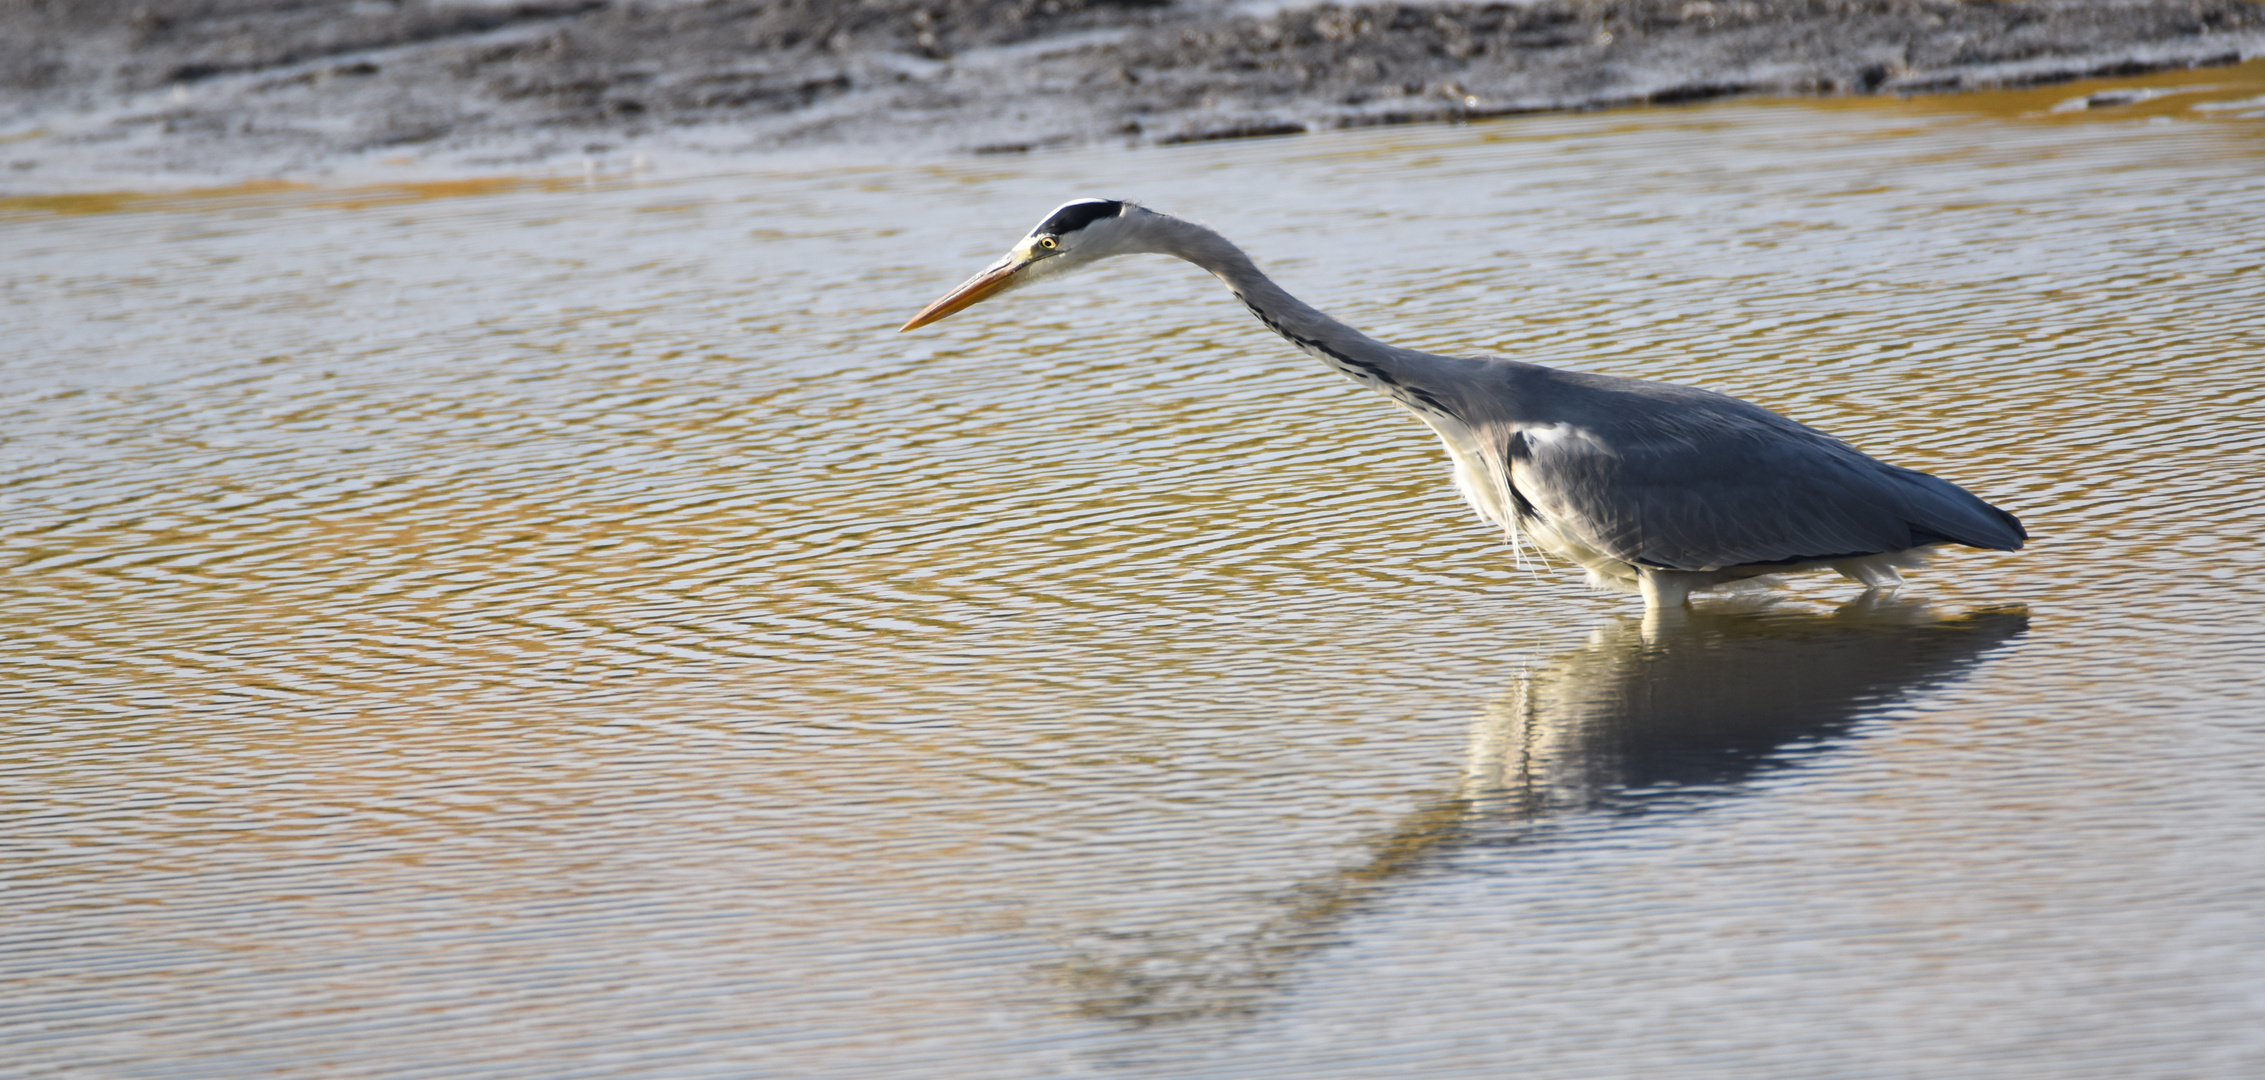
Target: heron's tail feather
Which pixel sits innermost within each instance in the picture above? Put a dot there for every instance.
(1944, 513)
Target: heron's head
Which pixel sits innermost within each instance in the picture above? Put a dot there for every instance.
(1075, 234)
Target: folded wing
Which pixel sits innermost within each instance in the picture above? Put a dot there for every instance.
(1686, 479)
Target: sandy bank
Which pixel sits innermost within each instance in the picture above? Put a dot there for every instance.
(118, 92)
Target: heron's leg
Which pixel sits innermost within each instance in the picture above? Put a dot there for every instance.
(1875, 571)
(1666, 588)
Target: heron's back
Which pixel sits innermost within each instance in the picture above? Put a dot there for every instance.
(1676, 477)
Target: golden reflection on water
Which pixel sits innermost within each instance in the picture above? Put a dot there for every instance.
(2232, 91)
(276, 193)
(498, 634)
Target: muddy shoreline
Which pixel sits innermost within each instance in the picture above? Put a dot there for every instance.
(108, 93)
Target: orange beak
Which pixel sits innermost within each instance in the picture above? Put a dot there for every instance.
(971, 292)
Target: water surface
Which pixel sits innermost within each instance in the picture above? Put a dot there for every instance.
(532, 629)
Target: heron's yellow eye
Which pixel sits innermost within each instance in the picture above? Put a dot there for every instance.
(1046, 242)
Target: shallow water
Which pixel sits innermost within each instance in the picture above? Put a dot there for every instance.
(546, 630)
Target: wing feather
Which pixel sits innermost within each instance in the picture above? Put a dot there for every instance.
(1688, 479)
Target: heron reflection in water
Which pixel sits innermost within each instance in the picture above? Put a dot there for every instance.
(1654, 716)
(1650, 487)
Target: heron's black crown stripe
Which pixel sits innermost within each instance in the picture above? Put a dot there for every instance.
(1078, 215)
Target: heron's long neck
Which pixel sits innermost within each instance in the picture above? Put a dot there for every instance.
(1366, 360)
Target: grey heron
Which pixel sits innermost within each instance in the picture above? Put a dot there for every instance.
(1651, 487)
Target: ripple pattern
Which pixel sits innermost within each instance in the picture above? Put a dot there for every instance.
(563, 631)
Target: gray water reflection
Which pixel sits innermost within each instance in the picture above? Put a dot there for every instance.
(1660, 711)
(1662, 714)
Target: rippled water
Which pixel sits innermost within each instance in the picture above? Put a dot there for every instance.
(558, 630)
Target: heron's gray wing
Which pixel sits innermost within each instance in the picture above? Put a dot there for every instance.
(1691, 480)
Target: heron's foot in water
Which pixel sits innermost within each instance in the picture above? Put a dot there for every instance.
(1886, 606)
(1670, 588)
